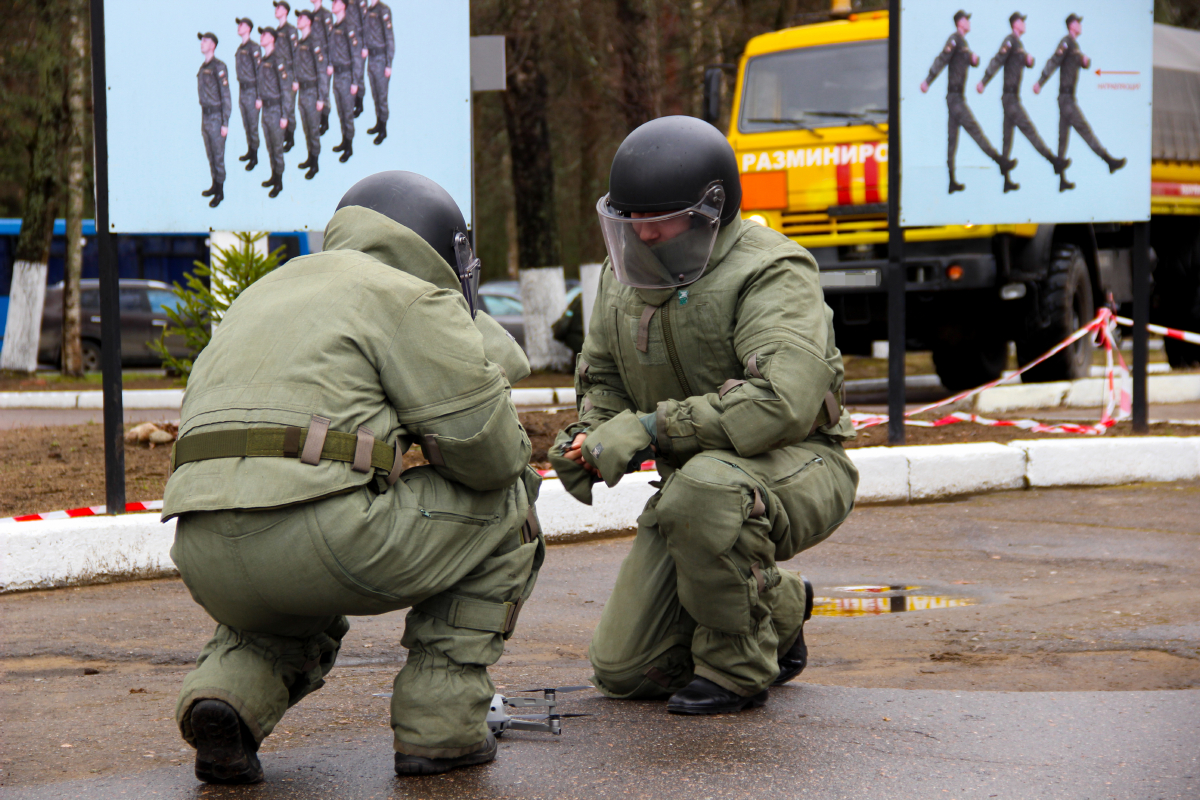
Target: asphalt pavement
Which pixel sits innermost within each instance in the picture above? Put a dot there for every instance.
(809, 742)
(1049, 647)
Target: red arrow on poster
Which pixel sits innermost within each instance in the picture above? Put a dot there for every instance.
(1115, 72)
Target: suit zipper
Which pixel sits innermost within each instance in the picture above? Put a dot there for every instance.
(446, 516)
(669, 341)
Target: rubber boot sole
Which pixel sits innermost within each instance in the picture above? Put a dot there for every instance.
(221, 752)
(421, 765)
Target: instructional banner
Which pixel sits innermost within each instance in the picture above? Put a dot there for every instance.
(259, 115)
(1035, 113)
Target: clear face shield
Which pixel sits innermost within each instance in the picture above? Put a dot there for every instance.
(666, 250)
(468, 269)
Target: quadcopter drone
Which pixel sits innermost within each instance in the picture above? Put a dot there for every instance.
(499, 718)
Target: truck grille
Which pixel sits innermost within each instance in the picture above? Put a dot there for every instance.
(820, 223)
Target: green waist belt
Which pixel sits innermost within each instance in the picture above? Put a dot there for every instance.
(310, 445)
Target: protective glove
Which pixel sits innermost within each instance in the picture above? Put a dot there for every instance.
(575, 479)
(617, 446)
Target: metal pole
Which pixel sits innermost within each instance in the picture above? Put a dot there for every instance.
(1141, 318)
(110, 307)
(895, 272)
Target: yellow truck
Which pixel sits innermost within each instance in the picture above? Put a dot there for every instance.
(809, 128)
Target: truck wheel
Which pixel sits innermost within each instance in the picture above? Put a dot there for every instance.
(1067, 297)
(1179, 299)
(969, 363)
(91, 356)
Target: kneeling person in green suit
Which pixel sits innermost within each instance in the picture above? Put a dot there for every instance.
(711, 350)
(294, 510)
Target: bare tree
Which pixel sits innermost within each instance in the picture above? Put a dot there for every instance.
(638, 56)
(77, 89)
(525, 112)
(43, 188)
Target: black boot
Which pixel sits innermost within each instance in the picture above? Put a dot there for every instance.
(380, 132)
(702, 696)
(312, 168)
(955, 186)
(347, 151)
(373, 129)
(278, 185)
(324, 123)
(289, 140)
(1006, 164)
(341, 146)
(269, 181)
(305, 164)
(1064, 185)
(249, 155)
(217, 196)
(210, 190)
(1060, 165)
(358, 105)
(253, 161)
(1010, 185)
(225, 750)
(423, 765)
(1115, 164)
(793, 662)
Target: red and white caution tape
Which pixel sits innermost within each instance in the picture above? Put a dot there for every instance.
(1170, 333)
(1117, 389)
(91, 511)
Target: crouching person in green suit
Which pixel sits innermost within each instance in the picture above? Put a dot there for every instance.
(711, 350)
(294, 511)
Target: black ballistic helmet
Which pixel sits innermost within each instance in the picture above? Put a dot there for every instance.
(669, 163)
(428, 210)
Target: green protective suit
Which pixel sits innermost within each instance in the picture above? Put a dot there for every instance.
(374, 334)
(736, 369)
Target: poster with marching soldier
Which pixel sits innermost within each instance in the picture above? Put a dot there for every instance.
(307, 91)
(1025, 179)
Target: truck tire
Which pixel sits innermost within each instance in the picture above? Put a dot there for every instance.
(1066, 296)
(1178, 296)
(972, 362)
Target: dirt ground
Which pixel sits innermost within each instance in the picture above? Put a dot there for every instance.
(1071, 590)
(60, 467)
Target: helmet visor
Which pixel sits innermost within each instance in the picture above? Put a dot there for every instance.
(664, 250)
(468, 267)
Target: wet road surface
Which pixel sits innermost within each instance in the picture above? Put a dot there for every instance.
(1066, 596)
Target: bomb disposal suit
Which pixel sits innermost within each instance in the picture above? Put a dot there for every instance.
(713, 345)
(293, 509)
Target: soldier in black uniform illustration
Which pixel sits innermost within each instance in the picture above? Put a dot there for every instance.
(1014, 59)
(356, 14)
(285, 46)
(246, 64)
(215, 107)
(310, 66)
(344, 45)
(957, 54)
(1071, 58)
(380, 44)
(274, 81)
(322, 31)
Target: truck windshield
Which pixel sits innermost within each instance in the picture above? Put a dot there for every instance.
(816, 87)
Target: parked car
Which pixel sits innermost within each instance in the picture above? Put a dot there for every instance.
(502, 301)
(143, 319)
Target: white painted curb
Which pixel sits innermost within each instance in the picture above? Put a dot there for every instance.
(67, 552)
(173, 398)
(1084, 393)
(1105, 462)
